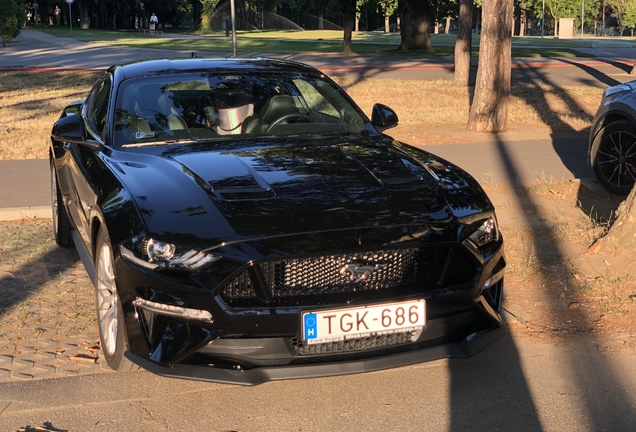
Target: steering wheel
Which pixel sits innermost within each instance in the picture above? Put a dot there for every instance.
(286, 119)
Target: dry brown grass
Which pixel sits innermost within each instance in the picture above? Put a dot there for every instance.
(29, 105)
(432, 103)
(31, 102)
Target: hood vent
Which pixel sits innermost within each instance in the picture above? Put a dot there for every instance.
(244, 193)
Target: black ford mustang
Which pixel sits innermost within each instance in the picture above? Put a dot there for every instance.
(243, 221)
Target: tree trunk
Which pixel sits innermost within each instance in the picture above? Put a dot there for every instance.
(416, 28)
(349, 16)
(463, 43)
(622, 234)
(522, 23)
(387, 28)
(489, 110)
(447, 26)
(197, 8)
(84, 17)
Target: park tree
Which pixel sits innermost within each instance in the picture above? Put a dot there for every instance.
(489, 110)
(622, 233)
(349, 17)
(620, 10)
(415, 22)
(629, 20)
(386, 8)
(12, 16)
(463, 43)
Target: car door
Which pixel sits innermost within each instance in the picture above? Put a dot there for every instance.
(84, 163)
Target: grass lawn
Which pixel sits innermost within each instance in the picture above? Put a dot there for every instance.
(316, 41)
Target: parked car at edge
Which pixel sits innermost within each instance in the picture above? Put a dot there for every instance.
(612, 146)
(242, 220)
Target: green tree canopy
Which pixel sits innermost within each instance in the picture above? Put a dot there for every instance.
(12, 16)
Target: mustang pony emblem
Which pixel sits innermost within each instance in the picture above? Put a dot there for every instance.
(357, 272)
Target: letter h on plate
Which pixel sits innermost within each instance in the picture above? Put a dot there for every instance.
(311, 326)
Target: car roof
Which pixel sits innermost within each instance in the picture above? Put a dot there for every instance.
(189, 65)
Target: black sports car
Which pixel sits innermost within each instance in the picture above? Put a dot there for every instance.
(612, 148)
(242, 221)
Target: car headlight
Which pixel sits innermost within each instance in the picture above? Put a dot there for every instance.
(486, 233)
(153, 254)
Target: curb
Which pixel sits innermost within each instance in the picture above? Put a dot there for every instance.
(18, 213)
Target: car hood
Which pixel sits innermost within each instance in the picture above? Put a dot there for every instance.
(259, 189)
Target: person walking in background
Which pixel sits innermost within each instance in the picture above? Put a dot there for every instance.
(153, 22)
(57, 13)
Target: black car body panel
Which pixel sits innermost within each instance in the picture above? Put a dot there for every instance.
(288, 224)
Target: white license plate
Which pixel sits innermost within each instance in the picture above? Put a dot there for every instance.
(350, 323)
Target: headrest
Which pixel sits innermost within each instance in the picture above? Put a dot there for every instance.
(276, 107)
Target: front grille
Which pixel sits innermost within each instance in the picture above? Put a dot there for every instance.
(325, 275)
(336, 278)
(360, 344)
(239, 288)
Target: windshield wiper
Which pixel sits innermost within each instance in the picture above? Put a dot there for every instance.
(156, 143)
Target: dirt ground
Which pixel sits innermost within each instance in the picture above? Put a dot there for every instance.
(557, 287)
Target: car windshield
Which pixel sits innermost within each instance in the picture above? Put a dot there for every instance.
(185, 108)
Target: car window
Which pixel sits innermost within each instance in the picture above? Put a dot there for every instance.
(97, 105)
(314, 99)
(188, 107)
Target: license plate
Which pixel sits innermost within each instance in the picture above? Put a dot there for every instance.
(357, 322)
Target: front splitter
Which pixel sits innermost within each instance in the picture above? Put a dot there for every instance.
(275, 373)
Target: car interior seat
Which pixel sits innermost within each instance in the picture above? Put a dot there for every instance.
(275, 108)
(153, 106)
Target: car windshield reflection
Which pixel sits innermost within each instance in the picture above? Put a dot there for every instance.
(188, 108)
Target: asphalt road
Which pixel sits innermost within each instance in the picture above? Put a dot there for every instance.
(514, 385)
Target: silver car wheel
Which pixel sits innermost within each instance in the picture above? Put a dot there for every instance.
(107, 300)
(54, 199)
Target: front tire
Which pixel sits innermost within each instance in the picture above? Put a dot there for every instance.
(110, 316)
(614, 157)
(61, 223)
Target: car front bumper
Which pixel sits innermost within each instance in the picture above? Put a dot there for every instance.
(273, 373)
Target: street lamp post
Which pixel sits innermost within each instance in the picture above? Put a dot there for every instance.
(582, 16)
(233, 13)
(543, 19)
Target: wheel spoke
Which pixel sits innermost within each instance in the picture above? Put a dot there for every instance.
(106, 299)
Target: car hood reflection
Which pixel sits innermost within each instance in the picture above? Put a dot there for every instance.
(251, 192)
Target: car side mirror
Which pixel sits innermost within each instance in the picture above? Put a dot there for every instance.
(73, 109)
(383, 117)
(69, 129)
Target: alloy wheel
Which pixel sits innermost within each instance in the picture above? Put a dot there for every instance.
(107, 300)
(616, 159)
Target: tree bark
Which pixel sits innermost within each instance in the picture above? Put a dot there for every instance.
(463, 43)
(622, 234)
(415, 25)
(84, 16)
(349, 16)
(489, 110)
